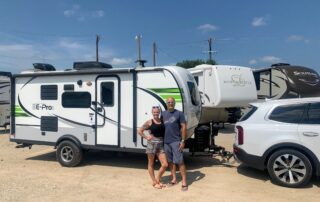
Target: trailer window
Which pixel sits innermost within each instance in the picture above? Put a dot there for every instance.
(193, 93)
(107, 93)
(49, 92)
(76, 99)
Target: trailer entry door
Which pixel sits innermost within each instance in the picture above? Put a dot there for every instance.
(108, 111)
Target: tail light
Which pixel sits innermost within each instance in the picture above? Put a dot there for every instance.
(240, 135)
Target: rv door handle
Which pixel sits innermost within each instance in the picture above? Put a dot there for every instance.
(310, 134)
(99, 109)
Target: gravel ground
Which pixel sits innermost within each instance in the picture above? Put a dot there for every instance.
(35, 175)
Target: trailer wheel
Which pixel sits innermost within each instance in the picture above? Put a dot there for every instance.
(69, 154)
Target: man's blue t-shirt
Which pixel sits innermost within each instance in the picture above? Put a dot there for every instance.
(172, 121)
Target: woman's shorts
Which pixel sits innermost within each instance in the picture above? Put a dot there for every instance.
(155, 146)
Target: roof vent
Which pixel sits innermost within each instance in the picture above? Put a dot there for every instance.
(280, 64)
(43, 67)
(90, 65)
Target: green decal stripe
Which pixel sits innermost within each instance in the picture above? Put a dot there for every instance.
(164, 93)
(19, 112)
(165, 90)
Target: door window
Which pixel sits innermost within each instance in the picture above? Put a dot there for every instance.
(107, 93)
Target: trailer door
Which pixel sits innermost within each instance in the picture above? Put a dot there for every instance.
(107, 111)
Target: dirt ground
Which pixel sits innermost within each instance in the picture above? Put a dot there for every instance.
(35, 175)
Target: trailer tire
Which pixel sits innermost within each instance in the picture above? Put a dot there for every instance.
(69, 154)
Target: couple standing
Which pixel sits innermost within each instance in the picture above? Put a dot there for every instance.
(166, 140)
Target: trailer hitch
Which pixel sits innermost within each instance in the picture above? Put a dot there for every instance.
(216, 150)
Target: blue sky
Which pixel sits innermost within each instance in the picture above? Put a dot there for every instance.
(252, 33)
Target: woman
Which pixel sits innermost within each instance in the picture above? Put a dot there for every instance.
(155, 145)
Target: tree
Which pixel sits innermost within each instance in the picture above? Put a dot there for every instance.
(192, 63)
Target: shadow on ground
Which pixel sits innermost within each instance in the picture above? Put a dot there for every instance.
(263, 175)
(134, 160)
(4, 131)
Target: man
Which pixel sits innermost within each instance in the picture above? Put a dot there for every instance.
(174, 141)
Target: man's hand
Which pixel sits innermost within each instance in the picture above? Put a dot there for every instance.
(181, 147)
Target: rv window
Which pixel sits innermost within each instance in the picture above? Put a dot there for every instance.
(107, 89)
(197, 80)
(192, 91)
(49, 92)
(76, 100)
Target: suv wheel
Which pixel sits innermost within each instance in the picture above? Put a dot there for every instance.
(69, 154)
(289, 168)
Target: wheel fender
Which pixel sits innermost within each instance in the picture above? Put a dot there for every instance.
(312, 157)
(69, 137)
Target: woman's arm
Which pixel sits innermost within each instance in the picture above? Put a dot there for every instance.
(144, 127)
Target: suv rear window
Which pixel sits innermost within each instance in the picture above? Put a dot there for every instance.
(251, 109)
(288, 113)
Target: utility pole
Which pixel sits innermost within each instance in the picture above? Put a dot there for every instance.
(97, 47)
(210, 49)
(154, 52)
(139, 61)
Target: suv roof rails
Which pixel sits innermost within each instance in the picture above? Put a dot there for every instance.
(44, 67)
(90, 65)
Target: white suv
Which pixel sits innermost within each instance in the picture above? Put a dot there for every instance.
(281, 136)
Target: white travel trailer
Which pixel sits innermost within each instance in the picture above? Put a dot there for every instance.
(223, 90)
(286, 81)
(95, 106)
(5, 99)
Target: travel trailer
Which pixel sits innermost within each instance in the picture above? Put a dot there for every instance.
(95, 106)
(286, 81)
(224, 89)
(4, 99)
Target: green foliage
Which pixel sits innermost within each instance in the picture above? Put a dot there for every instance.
(192, 63)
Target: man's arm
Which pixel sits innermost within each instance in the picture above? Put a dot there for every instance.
(183, 135)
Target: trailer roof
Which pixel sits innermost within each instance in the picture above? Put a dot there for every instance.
(87, 71)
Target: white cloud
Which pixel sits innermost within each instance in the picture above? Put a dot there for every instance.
(72, 11)
(65, 43)
(297, 38)
(98, 13)
(121, 61)
(270, 59)
(82, 15)
(253, 62)
(207, 27)
(259, 21)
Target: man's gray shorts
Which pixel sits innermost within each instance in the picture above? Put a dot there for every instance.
(173, 153)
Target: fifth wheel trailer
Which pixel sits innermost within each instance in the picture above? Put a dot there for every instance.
(224, 89)
(5, 99)
(287, 81)
(95, 106)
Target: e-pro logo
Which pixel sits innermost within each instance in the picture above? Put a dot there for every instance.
(42, 107)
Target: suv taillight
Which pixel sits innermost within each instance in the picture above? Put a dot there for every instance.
(240, 135)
